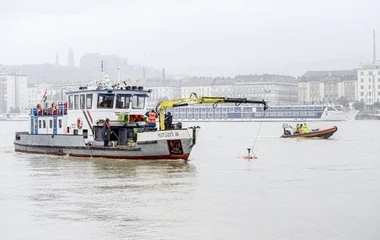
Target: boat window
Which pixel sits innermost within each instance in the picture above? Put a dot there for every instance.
(295, 108)
(280, 114)
(280, 108)
(60, 123)
(82, 101)
(311, 108)
(123, 101)
(138, 102)
(51, 123)
(55, 123)
(303, 108)
(105, 100)
(89, 101)
(71, 102)
(39, 124)
(44, 123)
(76, 102)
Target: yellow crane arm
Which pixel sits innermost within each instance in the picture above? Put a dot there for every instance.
(194, 99)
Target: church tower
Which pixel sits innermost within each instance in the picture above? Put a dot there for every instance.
(70, 58)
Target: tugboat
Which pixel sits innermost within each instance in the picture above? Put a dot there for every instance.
(75, 128)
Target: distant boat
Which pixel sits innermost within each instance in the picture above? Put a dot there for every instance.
(14, 117)
(280, 113)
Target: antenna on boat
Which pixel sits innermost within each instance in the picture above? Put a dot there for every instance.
(101, 70)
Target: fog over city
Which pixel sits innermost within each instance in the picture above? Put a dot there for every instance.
(209, 37)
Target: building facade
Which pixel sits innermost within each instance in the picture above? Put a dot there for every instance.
(13, 92)
(162, 90)
(369, 83)
(201, 86)
(223, 87)
(276, 89)
(327, 86)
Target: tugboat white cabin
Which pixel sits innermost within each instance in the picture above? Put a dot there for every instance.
(75, 128)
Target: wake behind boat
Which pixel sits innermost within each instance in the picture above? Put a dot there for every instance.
(324, 133)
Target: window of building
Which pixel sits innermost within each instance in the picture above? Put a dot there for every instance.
(71, 102)
(82, 101)
(362, 94)
(105, 100)
(362, 80)
(369, 86)
(370, 72)
(76, 102)
(362, 73)
(361, 87)
(123, 101)
(89, 101)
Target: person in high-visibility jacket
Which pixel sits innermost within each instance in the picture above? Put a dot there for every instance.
(305, 128)
(151, 121)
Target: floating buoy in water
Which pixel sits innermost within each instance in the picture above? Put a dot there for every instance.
(249, 156)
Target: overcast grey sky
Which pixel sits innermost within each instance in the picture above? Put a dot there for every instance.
(211, 37)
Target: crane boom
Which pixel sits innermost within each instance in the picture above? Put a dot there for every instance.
(194, 99)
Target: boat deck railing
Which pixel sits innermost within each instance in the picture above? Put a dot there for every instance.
(59, 111)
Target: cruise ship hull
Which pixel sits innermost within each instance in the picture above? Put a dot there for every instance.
(302, 113)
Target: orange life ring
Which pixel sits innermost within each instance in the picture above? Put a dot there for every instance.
(79, 123)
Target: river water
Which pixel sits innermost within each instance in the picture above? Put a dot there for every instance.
(296, 189)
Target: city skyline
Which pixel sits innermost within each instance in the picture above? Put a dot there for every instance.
(197, 38)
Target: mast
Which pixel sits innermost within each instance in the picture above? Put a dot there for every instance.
(101, 69)
(374, 47)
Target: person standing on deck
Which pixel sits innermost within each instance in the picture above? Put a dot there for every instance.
(168, 120)
(152, 116)
(106, 132)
